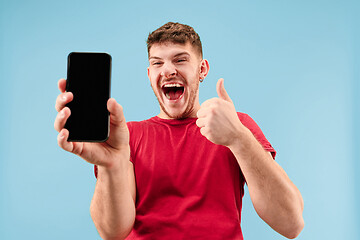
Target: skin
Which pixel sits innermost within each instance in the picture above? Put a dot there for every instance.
(113, 205)
(175, 63)
(275, 198)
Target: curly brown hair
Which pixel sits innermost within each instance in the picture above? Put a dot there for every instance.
(175, 33)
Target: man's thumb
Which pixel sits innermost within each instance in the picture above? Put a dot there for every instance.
(220, 89)
(116, 112)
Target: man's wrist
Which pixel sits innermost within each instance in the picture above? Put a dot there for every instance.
(242, 142)
(118, 165)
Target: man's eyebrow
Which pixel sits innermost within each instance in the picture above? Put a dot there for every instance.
(176, 55)
(182, 53)
(154, 57)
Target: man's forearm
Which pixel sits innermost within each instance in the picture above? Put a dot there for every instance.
(113, 204)
(275, 198)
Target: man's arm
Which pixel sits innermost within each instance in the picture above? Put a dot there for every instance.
(113, 205)
(275, 198)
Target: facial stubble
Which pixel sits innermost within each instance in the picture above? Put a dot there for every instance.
(190, 105)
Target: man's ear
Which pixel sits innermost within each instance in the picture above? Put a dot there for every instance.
(204, 69)
(148, 72)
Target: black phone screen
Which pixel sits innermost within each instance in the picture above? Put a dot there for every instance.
(88, 78)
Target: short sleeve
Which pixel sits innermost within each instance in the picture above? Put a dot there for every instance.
(136, 133)
(95, 170)
(248, 122)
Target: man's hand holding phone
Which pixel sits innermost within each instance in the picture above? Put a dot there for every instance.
(99, 153)
(113, 205)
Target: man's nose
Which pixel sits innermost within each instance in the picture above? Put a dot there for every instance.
(169, 70)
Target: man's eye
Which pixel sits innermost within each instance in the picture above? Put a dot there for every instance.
(156, 63)
(181, 60)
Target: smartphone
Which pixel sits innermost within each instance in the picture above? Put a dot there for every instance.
(89, 79)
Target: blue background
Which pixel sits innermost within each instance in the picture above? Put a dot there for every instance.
(291, 65)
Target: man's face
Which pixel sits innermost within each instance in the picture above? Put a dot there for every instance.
(175, 71)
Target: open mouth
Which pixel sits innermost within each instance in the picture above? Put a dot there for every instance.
(173, 91)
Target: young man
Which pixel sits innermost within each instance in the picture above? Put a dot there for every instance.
(190, 162)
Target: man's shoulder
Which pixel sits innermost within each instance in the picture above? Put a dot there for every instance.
(140, 124)
(136, 122)
(243, 116)
(248, 121)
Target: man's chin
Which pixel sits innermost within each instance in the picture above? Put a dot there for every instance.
(174, 113)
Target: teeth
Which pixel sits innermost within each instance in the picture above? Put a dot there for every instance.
(167, 95)
(172, 85)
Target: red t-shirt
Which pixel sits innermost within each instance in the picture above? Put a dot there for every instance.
(186, 186)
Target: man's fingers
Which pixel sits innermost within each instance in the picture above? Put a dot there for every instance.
(220, 89)
(209, 102)
(200, 122)
(62, 100)
(62, 85)
(203, 131)
(62, 141)
(61, 119)
(198, 114)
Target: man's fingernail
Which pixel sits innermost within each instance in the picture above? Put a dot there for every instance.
(63, 98)
(62, 114)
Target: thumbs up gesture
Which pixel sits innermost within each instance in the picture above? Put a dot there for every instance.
(217, 118)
